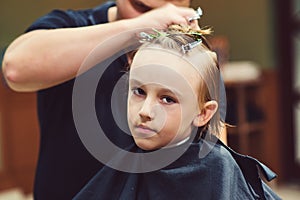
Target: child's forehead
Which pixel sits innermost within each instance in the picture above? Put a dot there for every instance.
(193, 62)
(166, 60)
(158, 55)
(153, 52)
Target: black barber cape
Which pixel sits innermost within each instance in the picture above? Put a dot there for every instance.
(221, 174)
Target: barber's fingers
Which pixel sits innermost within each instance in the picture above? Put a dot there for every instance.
(177, 15)
(166, 15)
(194, 25)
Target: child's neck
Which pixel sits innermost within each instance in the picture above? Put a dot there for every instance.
(178, 143)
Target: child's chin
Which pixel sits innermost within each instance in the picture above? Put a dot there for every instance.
(146, 145)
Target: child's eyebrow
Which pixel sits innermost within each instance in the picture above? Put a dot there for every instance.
(174, 90)
(169, 91)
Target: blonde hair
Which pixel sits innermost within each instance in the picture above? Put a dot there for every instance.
(174, 38)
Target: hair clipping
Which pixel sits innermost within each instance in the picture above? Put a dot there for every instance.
(187, 47)
(145, 37)
(148, 37)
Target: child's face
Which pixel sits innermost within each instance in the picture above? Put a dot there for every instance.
(162, 100)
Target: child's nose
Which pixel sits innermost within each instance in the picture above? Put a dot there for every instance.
(147, 112)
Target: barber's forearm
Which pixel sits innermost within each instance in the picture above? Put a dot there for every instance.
(44, 58)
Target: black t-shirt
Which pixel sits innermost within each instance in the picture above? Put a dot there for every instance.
(64, 164)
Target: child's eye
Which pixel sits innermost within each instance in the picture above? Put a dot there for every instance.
(138, 92)
(168, 100)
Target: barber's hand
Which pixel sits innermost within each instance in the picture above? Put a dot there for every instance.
(161, 18)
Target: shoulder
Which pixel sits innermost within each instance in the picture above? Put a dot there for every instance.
(217, 154)
(72, 18)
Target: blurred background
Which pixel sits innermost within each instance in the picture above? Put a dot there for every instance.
(258, 43)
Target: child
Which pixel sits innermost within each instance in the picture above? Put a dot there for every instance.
(174, 106)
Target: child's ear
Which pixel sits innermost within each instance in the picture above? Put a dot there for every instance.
(207, 112)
